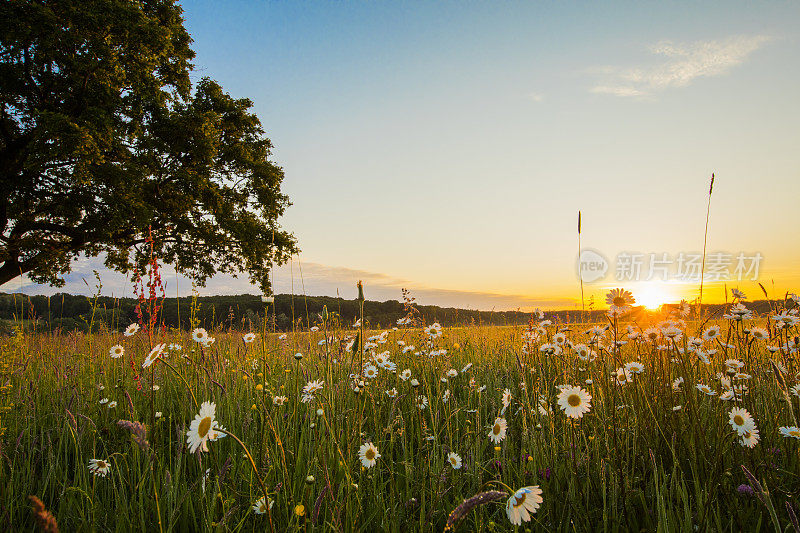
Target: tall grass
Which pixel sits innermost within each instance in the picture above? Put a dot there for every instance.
(632, 463)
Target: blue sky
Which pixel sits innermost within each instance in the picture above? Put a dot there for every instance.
(447, 147)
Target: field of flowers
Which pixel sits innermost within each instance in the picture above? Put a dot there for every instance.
(670, 422)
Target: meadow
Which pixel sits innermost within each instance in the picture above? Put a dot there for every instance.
(670, 422)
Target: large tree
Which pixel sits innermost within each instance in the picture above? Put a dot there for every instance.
(103, 138)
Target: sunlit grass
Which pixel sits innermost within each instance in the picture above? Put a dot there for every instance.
(647, 454)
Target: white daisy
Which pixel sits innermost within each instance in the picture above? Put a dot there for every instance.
(523, 503)
(99, 467)
(116, 351)
(790, 431)
(574, 401)
(370, 372)
(248, 338)
(313, 386)
(201, 427)
(750, 438)
(498, 431)
(154, 354)
(199, 335)
(454, 459)
(260, 507)
(741, 420)
(131, 330)
(368, 454)
(422, 402)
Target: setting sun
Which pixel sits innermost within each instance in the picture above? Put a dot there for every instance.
(653, 295)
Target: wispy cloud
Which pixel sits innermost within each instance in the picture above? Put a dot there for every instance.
(535, 97)
(313, 279)
(683, 64)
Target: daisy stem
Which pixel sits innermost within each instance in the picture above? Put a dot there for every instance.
(255, 471)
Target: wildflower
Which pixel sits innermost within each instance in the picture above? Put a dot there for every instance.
(299, 509)
(368, 454)
(634, 367)
(790, 431)
(112, 405)
(249, 337)
(466, 367)
(676, 408)
(452, 373)
(434, 330)
(104, 401)
(727, 395)
(200, 430)
(260, 506)
(391, 393)
(279, 400)
(759, 333)
(750, 438)
(199, 335)
(116, 351)
(506, 400)
(455, 460)
(619, 300)
(370, 372)
(131, 330)
(795, 390)
(154, 354)
(99, 467)
(446, 396)
(711, 333)
(745, 489)
(622, 376)
(414, 382)
(422, 402)
(676, 385)
(498, 431)
(736, 293)
(405, 374)
(651, 334)
(574, 401)
(313, 386)
(702, 387)
(523, 503)
(741, 420)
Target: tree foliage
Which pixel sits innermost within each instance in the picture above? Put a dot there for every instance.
(103, 138)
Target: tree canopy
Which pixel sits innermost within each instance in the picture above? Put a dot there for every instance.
(103, 138)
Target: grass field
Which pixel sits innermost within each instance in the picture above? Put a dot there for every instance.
(651, 451)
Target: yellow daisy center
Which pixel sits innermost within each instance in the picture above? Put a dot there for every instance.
(204, 427)
(369, 454)
(496, 429)
(519, 500)
(101, 464)
(574, 400)
(795, 433)
(619, 301)
(453, 460)
(738, 420)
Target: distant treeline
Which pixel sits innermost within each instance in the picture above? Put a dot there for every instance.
(71, 312)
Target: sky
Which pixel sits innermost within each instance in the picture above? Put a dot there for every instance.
(447, 147)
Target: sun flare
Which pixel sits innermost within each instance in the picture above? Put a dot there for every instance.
(653, 295)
